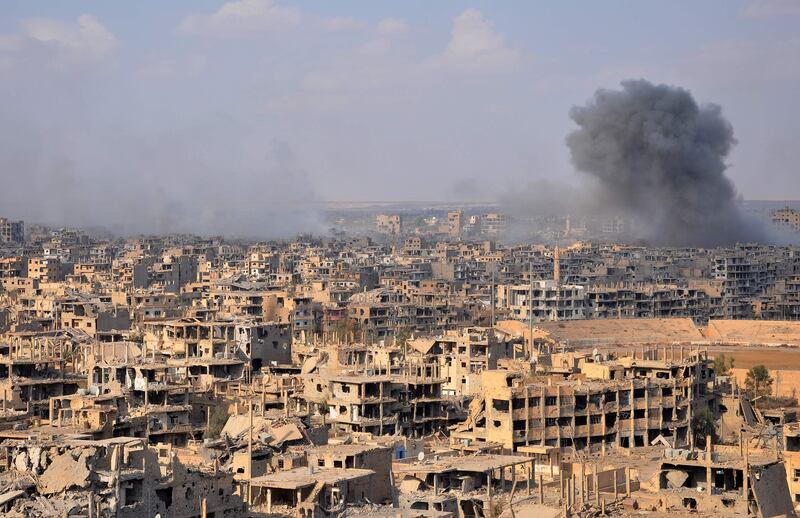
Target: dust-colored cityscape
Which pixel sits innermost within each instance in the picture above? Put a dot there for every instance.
(266, 259)
(407, 366)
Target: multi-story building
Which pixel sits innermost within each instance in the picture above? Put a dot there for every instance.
(791, 457)
(33, 372)
(455, 223)
(237, 340)
(11, 232)
(745, 274)
(463, 357)
(94, 319)
(493, 224)
(260, 263)
(48, 270)
(13, 267)
(365, 390)
(542, 300)
(653, 301)
(623, 404)
(787, 219)
(615, 226)
(389, 224)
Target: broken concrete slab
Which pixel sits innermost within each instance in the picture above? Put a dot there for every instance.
(65, 472)
(410, 485)
(10, 496)
(676, 478)
(771, 491)
(309, 365)
(281, 434)
(660, 440)
(236, 425)
(21, 462)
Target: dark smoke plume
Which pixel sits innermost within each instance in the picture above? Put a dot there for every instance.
(659, 156)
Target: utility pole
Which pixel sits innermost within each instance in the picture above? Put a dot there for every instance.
(250, 450)
(492, 300)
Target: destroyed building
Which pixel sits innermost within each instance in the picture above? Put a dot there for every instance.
(618, 404)
(425, 373)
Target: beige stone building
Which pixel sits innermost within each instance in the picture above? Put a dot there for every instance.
(389, 224)
(11, 232)
(786, 218)
(625, 404)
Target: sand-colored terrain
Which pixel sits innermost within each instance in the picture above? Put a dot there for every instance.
(783, 358)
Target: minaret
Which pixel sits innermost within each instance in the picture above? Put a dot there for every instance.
(557, 265)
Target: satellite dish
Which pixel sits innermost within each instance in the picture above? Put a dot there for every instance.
(421, 456)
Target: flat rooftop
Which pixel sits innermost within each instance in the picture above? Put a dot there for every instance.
(471, 463)
(300, 478)
(346, 449)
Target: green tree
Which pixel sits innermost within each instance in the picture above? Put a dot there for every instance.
(723, 365)
(703, 424)
(758, 382)
(402, 335)
(217, 422)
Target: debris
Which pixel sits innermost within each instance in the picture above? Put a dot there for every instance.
(676, 478)
(65, 472)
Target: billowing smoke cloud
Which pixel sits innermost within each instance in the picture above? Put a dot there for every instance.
(660, 157)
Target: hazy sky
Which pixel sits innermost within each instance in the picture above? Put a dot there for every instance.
(144, 111)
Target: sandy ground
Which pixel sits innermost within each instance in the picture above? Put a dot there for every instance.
(782, 358)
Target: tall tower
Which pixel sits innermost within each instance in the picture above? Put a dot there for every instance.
(557, 266)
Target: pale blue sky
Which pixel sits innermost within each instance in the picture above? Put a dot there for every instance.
(155, 106)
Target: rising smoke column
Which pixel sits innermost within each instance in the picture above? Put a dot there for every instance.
(659, 156)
